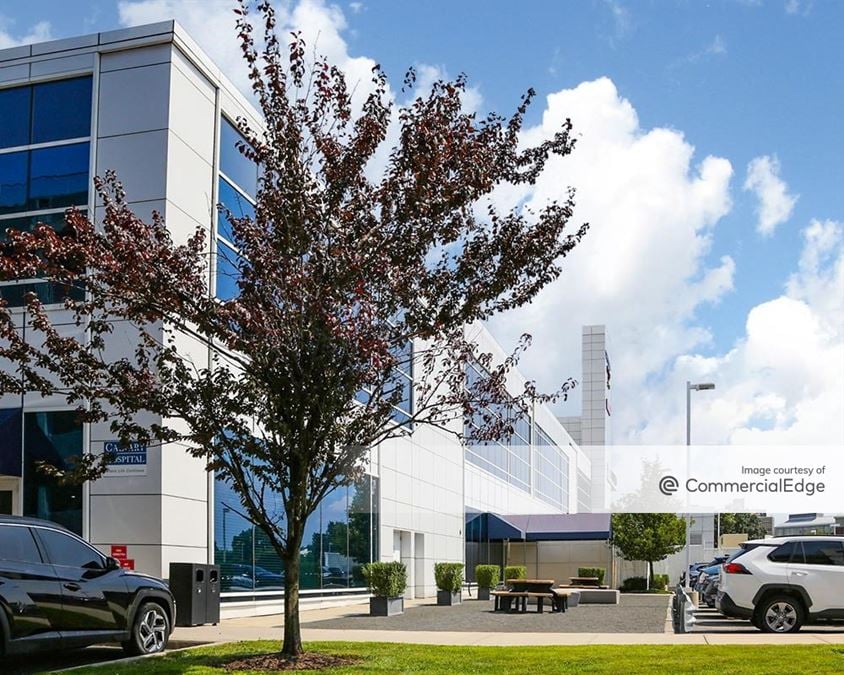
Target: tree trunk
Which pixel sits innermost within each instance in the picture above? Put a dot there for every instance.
(292, 646)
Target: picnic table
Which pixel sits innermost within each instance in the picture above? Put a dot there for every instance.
(586, 581)
(520, 590)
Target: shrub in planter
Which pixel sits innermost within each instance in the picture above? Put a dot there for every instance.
(634, 584)
(659, 582)
(487, 578)
(449, 579)
(515, 572)
(386, 581)
(599, 572)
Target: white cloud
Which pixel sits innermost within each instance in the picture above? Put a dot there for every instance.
(40, 32)
(640, 268)
(356, 7)
(775, 202)
(798, 7)
(782, 382)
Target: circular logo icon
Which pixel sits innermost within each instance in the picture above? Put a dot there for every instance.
(668, 485)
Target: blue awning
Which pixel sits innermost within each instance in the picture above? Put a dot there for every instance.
(499, 528)
(550, 527)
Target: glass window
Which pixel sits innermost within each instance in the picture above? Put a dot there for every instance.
(17, 545)
(55, 438)
(240, 170)
(823, 553)
(61, 110)
(49, 293)
(62, 549)
(781, 554)
(234, 540)
(14, 170)
(58, 177)
(11, 421)
(235, 202)
(14, 111)
(228, 273)
(28, 223)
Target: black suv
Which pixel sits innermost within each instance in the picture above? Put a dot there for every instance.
(57, 591)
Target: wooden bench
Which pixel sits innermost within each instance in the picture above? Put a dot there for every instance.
(541, 598)
(561, 598)
(504, 601)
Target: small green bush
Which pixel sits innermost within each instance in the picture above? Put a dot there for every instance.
(487, 575)
(515, 572)
(386, 579)
(634, 584)
(660, 581)
(449, 576)
(599, 572)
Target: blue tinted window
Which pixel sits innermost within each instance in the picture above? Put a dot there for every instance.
(13, 174)
(54, 438)
(243, 171)
(14, 113)
(28, 223)
(227, 272)
(48, 293)
(235, 202)
(61, 110)
(59, 177)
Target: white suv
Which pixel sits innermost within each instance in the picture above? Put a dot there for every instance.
(782, 583)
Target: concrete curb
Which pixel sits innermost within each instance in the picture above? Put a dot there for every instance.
(133, 659)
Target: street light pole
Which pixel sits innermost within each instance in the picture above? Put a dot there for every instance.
(689, 387)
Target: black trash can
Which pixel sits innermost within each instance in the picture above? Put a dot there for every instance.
(212, 594)
(189, 585)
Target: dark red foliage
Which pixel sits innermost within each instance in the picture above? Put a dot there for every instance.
(342, 272)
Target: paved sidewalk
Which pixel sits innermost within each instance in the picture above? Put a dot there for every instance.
(270, 628)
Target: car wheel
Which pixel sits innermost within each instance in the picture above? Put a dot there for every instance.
(150, 630)
(780, 614)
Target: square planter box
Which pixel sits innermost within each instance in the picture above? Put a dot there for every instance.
(386, 606)
(448, 598)
(483, 594)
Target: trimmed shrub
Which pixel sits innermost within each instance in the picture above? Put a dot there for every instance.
(634, 584)
(386, 579)
(487, 575)
(599, 572)
(660, 581)
(449, 576)
(515, 572)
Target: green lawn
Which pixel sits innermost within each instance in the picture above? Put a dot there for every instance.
(392, 658)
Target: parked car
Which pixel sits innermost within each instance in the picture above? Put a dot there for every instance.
(696, 568)
(58, 591)
(783, 583)
(709, 583)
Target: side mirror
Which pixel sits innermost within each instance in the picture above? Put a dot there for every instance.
(112, 563)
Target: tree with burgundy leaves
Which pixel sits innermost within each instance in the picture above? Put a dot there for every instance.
(338, 273)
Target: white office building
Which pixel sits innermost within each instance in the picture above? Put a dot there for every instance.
(148, 103)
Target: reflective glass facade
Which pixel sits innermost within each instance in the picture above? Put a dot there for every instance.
(340, 537)
(55, 438)
(44, 165)
(509, 459)
(237, 187)
(551, 472)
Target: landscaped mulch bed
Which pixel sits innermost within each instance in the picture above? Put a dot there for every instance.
(307, 661)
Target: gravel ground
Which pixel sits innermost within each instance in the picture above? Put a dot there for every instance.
(635, 614)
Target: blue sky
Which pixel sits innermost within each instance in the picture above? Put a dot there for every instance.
(736, 79)
(739, 78)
